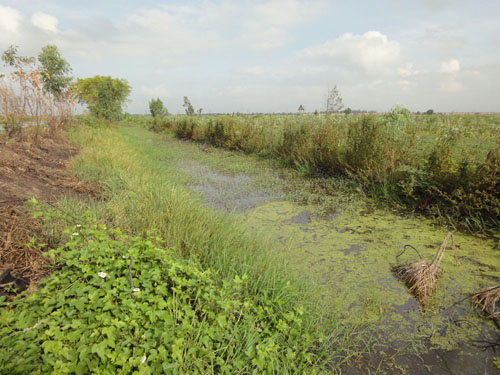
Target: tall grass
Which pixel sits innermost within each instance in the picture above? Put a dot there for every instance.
(443, 165)
(144, 195)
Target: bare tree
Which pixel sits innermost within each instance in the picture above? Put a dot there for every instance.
(333, 100)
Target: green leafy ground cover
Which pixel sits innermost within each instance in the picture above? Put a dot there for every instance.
(163, 315)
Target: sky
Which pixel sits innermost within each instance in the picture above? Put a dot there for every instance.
(274, 55)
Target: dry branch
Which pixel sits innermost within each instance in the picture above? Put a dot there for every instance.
(488, 301)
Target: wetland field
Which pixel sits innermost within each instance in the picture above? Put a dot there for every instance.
(271, 187)
(277, 249)
(345, 230)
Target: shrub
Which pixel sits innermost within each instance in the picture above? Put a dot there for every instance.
(185, 128)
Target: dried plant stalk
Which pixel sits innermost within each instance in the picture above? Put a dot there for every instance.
(488, 301)
(420, 277)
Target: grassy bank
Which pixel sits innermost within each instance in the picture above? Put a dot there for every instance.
(447, 166)
(211, 298)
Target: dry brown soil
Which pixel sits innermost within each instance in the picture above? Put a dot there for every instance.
(30, 170)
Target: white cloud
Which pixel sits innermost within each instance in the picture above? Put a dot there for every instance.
(156, 91)
(10, 19)
(44, 21)
(254, 70)
(451, 86)
(168, 35)
(267, 25)
(286, 13)
(439, 4)
(450, 67)
(407, 70)
(372, 51)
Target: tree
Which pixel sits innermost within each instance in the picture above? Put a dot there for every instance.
(348, 111)
(18, 105)
(156, 108)
(334, 100)
(429, 112)
(54, 70)
(33, 102)
(188, 107)
(316, 112)
(104, 95)
(301, 108)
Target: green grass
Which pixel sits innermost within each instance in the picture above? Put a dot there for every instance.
(238, 308)
(446, 166)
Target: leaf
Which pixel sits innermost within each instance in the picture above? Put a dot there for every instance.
(100, 350)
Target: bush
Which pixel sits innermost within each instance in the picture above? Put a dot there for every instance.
(185, 128)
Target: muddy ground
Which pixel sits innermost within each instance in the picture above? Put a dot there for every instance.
(30, 170)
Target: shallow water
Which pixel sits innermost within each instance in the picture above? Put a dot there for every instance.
(350, 255)
(229, 192)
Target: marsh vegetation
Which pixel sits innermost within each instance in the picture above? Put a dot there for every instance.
(445, 166)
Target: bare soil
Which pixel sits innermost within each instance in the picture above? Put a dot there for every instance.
(29, 170)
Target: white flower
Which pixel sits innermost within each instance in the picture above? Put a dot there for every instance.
(135, 290)
(124, 256)
(78, 225)
(102, 275)
(75, 234)
(34, 327)
(143, 359)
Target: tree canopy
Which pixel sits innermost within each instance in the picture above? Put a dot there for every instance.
(104, 95)
(188, 106)
(55, 70)
(156, 108)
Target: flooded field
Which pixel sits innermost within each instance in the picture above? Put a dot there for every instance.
(349, 255)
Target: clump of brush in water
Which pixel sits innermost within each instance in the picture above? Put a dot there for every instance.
(488, 301)
(420, 277)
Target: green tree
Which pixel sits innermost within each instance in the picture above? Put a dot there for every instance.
(301, 108)
(156, 108)
(55, 70)
(429, 112)
(188, 107)
(104, 95)
(348, 111)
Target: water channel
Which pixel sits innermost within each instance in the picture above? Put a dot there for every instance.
(349, 254)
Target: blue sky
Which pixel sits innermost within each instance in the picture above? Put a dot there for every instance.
(273, 55)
